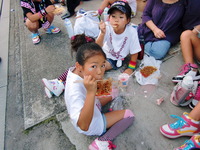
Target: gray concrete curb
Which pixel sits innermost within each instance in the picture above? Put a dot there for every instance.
(4, 42)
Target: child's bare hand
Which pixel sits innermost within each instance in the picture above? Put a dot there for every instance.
(50, 8)
(102, 27)
(90, 84)
(158, 33)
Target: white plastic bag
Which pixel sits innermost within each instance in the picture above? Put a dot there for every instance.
(87, 23)
(117, 103)
(153, 78)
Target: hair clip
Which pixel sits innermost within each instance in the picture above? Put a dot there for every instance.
(73, 38)
(88, 39)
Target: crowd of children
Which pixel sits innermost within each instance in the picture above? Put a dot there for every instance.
(164, 22)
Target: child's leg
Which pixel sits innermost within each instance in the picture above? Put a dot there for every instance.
(50, 17)
(196, 46)
(105, 4)
(117, 121)
(63, 76)
(32, 26)
(189, 40)
(108, 66)
(195, 113)
(190, 47)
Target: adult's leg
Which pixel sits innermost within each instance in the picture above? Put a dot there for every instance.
(157, 49)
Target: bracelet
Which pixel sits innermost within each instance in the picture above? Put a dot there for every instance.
(43, 12)
(132, 64)
(40, 15)
(100, 11)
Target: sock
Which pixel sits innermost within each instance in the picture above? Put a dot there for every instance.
(100, 11)
(118, 127)
(63, 76)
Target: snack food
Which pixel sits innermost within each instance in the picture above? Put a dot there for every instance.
(104, 87)
(147, 71)
(59, 10)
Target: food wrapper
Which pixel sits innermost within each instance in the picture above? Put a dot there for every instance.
(104, 87)
(149, 72)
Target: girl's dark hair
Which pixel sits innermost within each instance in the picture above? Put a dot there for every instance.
(78, 40)
(87, 51)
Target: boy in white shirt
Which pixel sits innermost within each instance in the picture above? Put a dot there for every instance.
(118, 38)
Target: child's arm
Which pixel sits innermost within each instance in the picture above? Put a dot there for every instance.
(100, 38)
(132, 64)
(87, 111)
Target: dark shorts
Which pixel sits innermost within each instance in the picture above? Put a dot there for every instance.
(114, 62)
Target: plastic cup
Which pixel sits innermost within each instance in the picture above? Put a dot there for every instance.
(123, 78)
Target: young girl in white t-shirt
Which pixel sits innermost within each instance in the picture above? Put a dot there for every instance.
(84, 107)
(118, 38)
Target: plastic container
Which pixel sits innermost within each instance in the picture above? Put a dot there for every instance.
(187, 82)
(123, 78)
(69, 27)
(105, 14)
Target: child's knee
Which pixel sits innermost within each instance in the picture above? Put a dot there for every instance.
(32, 25)
(128, 113)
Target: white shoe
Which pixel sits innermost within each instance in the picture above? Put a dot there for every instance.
(101, 145)
(48, 93)
(55, 86)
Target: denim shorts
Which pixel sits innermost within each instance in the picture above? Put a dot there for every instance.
(157, 49)
(113, 63)
(105, 123)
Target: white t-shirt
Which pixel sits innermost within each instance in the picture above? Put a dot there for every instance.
(75, 94)
(118, 46)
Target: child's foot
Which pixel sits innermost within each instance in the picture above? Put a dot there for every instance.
(55, 86)
(185, 126)
(186, 69)
(52, 29)
(193, 142)
(35, 38)
(101, 145)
